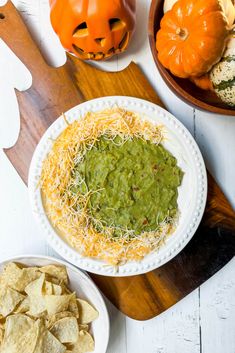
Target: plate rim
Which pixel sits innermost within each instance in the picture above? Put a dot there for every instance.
(81, 273)
(59, 244)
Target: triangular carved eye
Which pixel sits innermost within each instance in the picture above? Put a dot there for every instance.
(81, 30)
(115, 24)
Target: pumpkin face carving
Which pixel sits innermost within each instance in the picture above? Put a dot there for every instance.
(93, 29)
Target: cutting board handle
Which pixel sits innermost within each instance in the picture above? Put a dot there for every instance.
(15, 34)
(51, 89)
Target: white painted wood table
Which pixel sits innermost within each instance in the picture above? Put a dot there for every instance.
(205, 320)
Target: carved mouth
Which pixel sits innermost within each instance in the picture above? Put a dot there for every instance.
(98, 55)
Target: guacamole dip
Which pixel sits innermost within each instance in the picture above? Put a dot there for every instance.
(135, 182)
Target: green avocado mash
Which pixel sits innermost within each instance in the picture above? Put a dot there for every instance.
(137, 183)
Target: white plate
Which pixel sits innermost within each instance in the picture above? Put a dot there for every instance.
(192, 192)
(85, 289)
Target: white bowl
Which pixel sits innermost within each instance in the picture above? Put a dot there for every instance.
(85, 289)
(192, 192)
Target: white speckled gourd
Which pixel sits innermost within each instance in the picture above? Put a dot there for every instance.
(222, 75)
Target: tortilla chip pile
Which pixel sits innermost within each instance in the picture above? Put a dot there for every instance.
(39, 314)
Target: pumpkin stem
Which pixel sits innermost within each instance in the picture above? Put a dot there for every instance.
(182, 33)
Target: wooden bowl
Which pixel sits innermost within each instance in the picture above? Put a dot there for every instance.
(183, 88)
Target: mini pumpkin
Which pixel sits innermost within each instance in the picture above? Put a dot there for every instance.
(227, 6)
(93, 29)
(192, 37)
(203, 82)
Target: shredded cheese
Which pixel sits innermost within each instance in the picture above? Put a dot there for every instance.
(68, 211)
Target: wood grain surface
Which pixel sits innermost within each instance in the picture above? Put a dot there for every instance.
(55, 91)
(183, 88)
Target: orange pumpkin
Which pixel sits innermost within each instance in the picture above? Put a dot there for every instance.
(203, 82)
(93, 29)
(192, 37)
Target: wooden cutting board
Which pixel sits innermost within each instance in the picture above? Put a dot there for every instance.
(55, 91)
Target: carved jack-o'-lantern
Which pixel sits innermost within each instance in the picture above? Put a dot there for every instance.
(93, 29)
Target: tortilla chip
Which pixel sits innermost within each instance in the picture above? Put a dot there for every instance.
(37, 305)
(19, 336)
(57, 303)
(66, 330)
(46, 342)
(65, 289)
(73, 306)
(28, 275)
(23, 307)
(56, 289)
(1, 333)
(87, 313)
(83, 327)
(9, 299)
(43, 294)
(52, 319)
(27, 342)
(84, 344)
(10, 274)
(56, 271)
(51, 344)
(18, 278)
(36, 286)
(47, 288)
(17, 324)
